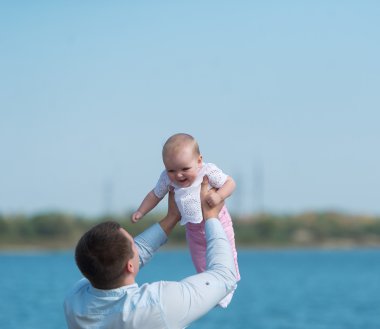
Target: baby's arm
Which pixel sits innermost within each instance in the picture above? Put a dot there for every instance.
(222, 193)
(149, 202)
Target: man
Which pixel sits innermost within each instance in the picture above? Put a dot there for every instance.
(110, 259)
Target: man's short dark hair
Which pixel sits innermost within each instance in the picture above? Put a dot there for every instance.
(102, 254)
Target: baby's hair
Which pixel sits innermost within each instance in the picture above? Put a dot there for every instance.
(178, 141)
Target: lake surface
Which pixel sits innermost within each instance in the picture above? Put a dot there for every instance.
(293, 289)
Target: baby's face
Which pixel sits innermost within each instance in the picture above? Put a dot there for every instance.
(183, 167)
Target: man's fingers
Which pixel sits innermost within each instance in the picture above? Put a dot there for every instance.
(171, 197)
(204, 185)
(172, 206)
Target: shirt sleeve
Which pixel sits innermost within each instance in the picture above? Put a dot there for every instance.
(216, 177)
(185, 301)
(149, 241)
(162, 186)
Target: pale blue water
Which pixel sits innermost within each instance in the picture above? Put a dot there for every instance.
(279, 289)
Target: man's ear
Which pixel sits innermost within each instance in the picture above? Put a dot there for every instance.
(129, 267)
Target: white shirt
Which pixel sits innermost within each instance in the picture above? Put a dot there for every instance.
(162, 304)
(188, 198)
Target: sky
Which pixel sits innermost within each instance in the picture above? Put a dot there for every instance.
(284, 96)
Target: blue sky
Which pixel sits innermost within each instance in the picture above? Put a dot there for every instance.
(282, 95)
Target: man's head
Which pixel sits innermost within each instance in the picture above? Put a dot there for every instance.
(106, 255)
(182, 159)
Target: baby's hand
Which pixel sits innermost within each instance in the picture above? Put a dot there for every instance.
(214, 199)
(136, 216)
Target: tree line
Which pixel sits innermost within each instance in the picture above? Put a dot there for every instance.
(325, 229)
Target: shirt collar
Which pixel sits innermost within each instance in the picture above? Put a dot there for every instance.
(112, 292)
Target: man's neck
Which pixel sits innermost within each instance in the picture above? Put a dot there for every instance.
(128, 280)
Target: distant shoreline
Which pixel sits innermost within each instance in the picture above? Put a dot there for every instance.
(35, 248)
(57, 231)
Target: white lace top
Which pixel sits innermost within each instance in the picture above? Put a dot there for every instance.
(188, 198)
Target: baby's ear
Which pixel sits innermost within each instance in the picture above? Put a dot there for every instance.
(200, 159)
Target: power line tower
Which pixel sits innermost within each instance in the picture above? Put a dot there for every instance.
(108, 192)
(258, 188)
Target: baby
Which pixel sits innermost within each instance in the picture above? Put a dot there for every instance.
(184, 172)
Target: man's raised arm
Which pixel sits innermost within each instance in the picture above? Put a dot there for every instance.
(155, 236)
(184, 302)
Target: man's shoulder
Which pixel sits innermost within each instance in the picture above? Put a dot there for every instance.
(79, 286)
(155, 291)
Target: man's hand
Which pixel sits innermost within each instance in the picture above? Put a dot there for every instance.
(172, 217)
(213, 199)
(209, 211)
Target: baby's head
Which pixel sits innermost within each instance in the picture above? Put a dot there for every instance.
(182, 159)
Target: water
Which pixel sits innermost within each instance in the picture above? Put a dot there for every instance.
(279, 289)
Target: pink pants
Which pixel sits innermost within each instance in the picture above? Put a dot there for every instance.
(196, 238)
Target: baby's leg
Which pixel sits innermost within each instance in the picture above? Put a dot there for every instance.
(196, 239)
(226, 221)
